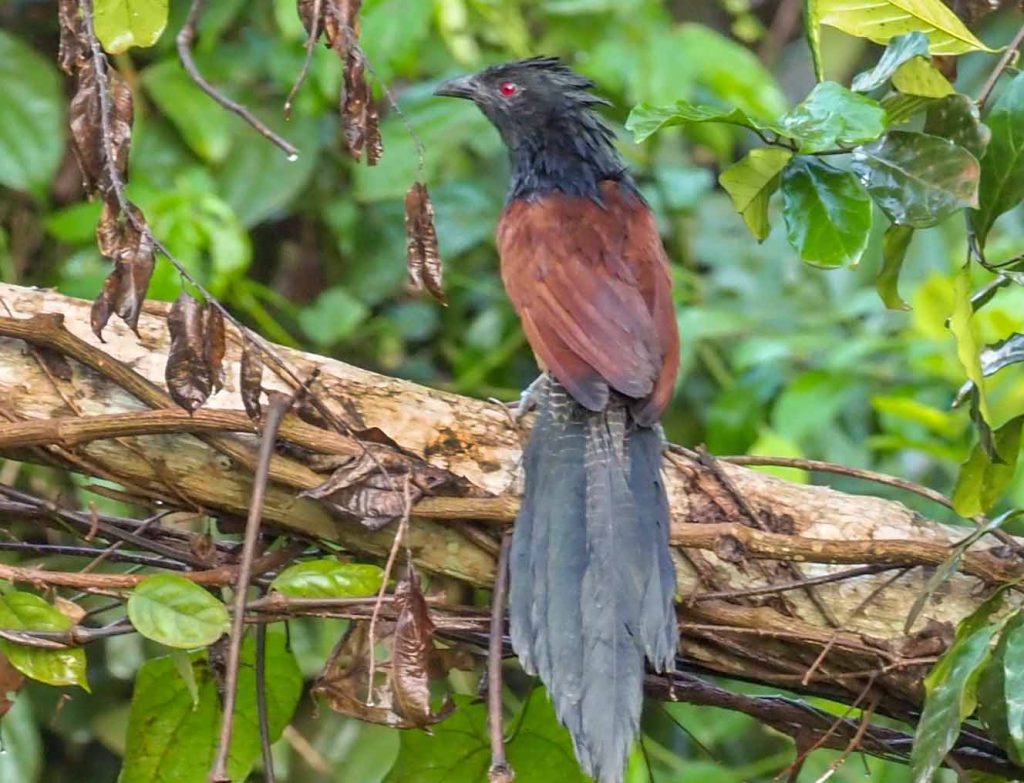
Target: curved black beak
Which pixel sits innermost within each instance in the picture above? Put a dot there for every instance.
(460, 87)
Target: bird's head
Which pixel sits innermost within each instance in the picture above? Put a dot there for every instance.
(527, 97)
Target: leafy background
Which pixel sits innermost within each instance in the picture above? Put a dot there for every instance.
(778, 357)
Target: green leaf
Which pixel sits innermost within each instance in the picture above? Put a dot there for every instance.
(1001, 690)
(205, 127)
(32, 124)
(170, 740)
(883, 20)
(327, 578)
(895, 242)
(951, 691)
(750, 183)
(22, 759)
(1002, 168)
(645, 120)
(333, 316)
(827, 213)
(902, 108)
(122, 24)
(918, 76)
(983, 479)
(962, 324)
(955, 117)
(458, 750)
(28, 612)
(833, 115)
(174, 611)
(918, 180)
(900, 49)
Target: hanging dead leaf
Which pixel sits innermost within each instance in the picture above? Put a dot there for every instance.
(129, 245)
(74, 46)
(423, 258)
(87, 128)
(188, 374)
(251, 379)
(412, 652)
(55, 362)
(69, 609)
(11, 681)
(214, 345)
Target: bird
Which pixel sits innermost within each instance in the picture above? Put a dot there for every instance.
(592, 582)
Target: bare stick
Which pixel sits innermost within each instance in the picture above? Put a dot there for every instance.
(499, 771)
(794, 585)
(314, 35)
(1007, 57)
(279, 405)
(185, 38)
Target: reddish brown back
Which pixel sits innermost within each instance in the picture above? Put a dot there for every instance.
(591, 284)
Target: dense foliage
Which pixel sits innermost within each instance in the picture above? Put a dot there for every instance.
(837, 320)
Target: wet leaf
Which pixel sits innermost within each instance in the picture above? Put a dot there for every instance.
(423, 258)
(87, 128)
(645, 120)
(1000, 706)
(955, 118)
(895, 242)
(28, 612)
(328, 578)
(985, 476)
(131, 249)
(827, 213)
(750, 184)
(918, 180)
(1002, 168)
(994, 358)
(31, 118)
(411, 654)
(251, 379)
(188, 373)
(962, 324)
(834, 116)
(174, 611)
(918, 76)
(122, 24)
(900, 49)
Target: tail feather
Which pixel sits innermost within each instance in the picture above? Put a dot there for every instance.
(592, 581)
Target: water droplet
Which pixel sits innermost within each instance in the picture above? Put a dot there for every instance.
(293, 157)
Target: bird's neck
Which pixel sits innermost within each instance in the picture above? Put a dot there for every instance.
(567, 156)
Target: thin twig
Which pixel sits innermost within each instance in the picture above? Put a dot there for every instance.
(499, 771)
(261, 703)
(748, 592)
(279, 405)
(1004, 60)
(186, 37)
(311, 39)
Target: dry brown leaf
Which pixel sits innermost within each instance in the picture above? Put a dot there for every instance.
(56, 363)
(131, 249)
(69, 609)
(251, 379)
(86, 128)
(74, 46)
(423, 257)
(188, 374)
(214, 345)
(412, 652)
(11, 681)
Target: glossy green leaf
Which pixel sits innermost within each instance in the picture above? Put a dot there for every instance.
(827, 213)
(205, 127)
(32, 124)
(834, 116)
(918, 76)
(918, 180)
(895, 242)
(983, 480)
(883, 20)
(1002, 168)
(28, 612)
(750, 183)
(172, 740)
(458, 750)
(956, 118)
(951, 692)
(122, 24)
(174, 611)
(328, 578)
(900, 49)
(1001, 690)
(645, 120)
(968, 346)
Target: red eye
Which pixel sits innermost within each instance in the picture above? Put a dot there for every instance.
(508, 89)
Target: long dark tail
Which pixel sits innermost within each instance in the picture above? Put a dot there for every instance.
(592, 581)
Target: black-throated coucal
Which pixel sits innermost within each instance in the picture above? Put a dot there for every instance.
(592, 582)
